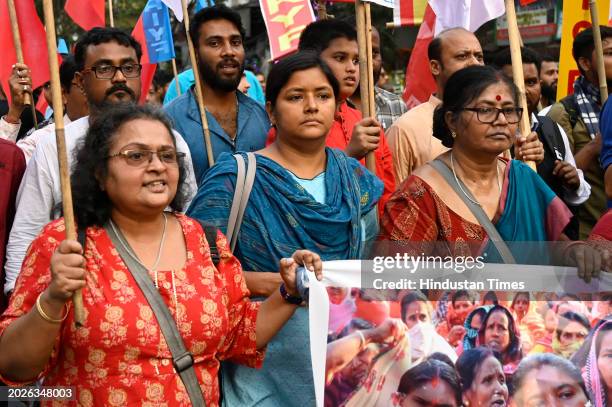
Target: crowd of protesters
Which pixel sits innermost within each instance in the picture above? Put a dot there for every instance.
(145, 195)
(489, 346)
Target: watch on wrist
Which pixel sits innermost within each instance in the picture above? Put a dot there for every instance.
(291, 299)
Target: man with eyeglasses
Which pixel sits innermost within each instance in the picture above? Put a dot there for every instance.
(411, 137)
(108, 72)
(236, 122)
(558, 169)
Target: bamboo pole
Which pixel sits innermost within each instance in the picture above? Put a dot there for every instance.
(58, 114)
(365, 75)
(111, 14)
(176, 80)
(198, 87)
(19, 52)
(601, 70)
(321, 10)
(517, 69)
(370, 61)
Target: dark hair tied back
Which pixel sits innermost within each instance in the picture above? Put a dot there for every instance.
(462, 88)
(283, 70)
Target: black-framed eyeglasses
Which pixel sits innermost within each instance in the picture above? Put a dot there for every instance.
(488, 115)
(137, 158)
(105, 71)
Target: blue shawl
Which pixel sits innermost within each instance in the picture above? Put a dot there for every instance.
(281, 217)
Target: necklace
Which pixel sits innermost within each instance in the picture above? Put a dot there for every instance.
(463, 190)
(133, 255)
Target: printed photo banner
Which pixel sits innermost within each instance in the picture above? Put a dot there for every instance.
(576, 17)
(285, 20)
(392, 274)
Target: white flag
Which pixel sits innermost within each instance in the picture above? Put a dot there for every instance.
(469, 14)
(176, 7)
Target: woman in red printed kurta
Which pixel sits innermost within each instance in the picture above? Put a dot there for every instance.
(119, 356)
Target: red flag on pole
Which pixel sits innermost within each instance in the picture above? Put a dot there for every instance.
(148, 69)
(420, 83)
(87, 14)
(33, 42)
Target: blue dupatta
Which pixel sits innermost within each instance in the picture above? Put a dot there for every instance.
(282, 217)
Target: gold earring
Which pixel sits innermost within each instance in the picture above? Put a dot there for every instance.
(453, 134)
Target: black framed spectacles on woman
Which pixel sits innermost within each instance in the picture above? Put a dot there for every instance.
(488, 115)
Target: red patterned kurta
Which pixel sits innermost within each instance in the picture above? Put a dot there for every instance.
(120, 356)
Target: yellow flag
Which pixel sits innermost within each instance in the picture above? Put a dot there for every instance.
(576, 17)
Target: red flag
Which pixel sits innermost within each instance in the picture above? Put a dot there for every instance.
(42, 104)
(87, 14)
(527, 2)
(148, 69)
(33, 43)
(420, 83)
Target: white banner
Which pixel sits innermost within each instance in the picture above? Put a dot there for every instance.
(495, 277)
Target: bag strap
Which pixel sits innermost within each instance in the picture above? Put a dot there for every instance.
(181, 358)
(476, 210)
(244, 185)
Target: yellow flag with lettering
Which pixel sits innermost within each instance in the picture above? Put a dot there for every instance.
(576, 17)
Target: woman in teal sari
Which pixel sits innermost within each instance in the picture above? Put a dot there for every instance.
(478, 121)
(304, 195)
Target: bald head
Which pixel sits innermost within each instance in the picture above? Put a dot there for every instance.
(452, 50)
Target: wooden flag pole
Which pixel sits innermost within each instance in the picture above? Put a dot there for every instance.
(176, 80)
(365, 76)
(111, 14)
(517, 69)
(370, 61)
(601, 70)
(198, 87)
(321, 10)
(19, 52)
(58, 115)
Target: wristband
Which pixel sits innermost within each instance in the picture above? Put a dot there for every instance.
(291, 299)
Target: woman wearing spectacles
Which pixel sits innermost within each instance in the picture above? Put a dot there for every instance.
(478, 120)
(127, 172)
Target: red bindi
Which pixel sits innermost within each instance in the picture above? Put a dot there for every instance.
(498, 98)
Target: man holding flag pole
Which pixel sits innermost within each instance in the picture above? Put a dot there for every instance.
(108, 68)
(578, 114)
(236, 122)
